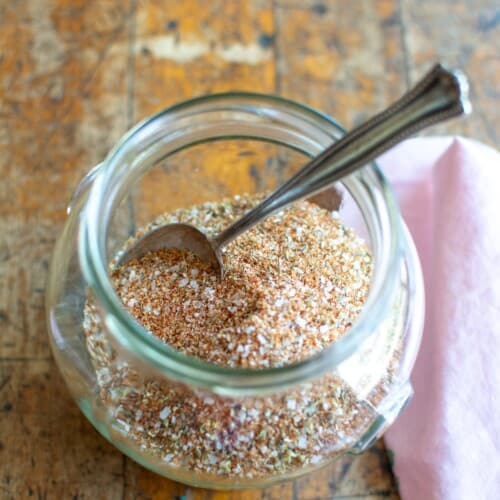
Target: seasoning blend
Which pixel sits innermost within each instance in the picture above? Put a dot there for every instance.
(301, 353)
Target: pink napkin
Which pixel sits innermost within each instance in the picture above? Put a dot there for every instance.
(446, 444)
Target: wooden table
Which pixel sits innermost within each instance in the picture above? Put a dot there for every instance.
(75, 75)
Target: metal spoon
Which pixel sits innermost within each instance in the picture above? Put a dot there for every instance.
(440, 95)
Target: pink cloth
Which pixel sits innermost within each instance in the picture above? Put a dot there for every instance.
(446, 444)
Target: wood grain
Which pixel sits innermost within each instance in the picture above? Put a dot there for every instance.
(75, 75)
(347, 72)
(47, 449)
(465, 35)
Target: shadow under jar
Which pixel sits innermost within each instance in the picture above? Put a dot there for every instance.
(201, 423)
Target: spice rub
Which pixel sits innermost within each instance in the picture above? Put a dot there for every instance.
(292, 286)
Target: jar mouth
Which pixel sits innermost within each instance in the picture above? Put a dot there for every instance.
(256, 112)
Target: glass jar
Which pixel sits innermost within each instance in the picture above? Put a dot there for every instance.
(209, 425)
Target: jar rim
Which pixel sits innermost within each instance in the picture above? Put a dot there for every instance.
(153, 352)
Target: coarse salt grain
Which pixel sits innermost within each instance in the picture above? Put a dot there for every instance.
(165, 413)
(302, 442)
(300, 322)
(261, 339)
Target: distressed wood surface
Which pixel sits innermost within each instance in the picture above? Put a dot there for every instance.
(75, 75)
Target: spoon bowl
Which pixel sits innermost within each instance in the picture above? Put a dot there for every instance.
(181, 236)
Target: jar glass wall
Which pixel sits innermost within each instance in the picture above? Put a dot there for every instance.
(185, 418)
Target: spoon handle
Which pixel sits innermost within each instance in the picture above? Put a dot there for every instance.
(440, 95)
